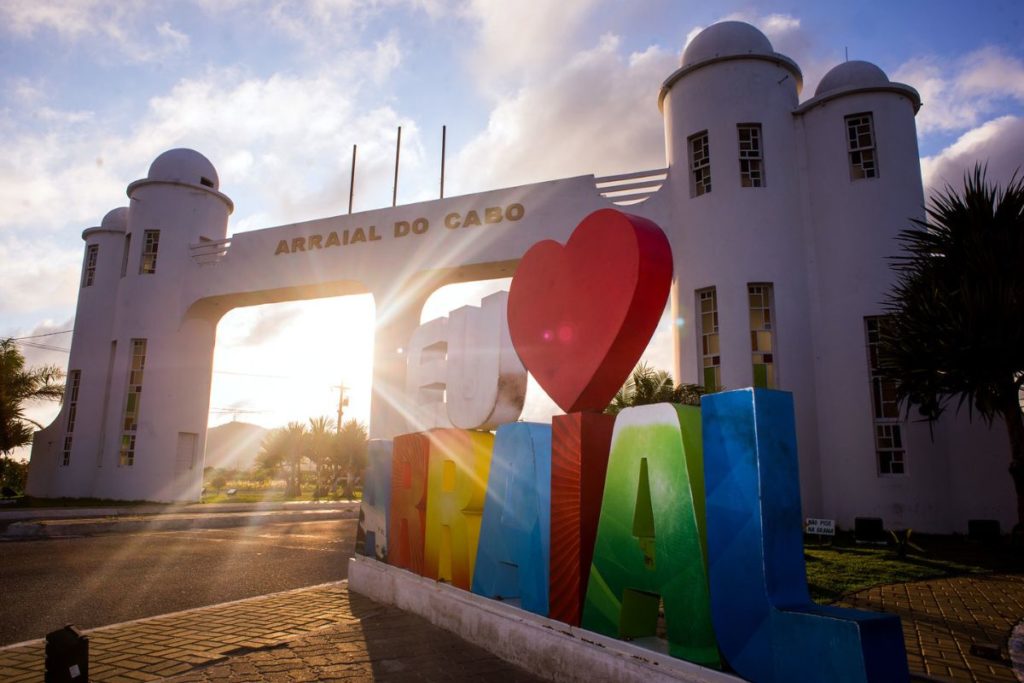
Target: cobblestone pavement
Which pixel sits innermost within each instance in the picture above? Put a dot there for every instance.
(387, 644)
(323, 633)
(944, 618)
(260, 639)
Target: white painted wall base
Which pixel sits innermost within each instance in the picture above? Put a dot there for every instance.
(542, 646)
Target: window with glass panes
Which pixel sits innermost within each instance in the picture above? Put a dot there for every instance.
(751, 160)
(130, 421)
(700, 163)
(92, 253)
(762, 334)
(124, 254)
(150, 244)
(860, 135)
(888, 432)
(71, 396)
(711, 361)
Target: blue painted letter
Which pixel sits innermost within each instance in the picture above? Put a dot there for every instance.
(767, 627)
(512, 559)
(375, 510)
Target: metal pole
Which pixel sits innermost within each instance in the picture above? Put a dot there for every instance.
(398, 152)
(444, 136)
(352, 180)
(341, 405)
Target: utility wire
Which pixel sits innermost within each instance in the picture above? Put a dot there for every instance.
(249, 374)
(45, 347)
(37, 336)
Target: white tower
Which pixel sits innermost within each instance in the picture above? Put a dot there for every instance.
(159, 393)
(863, 185)
(65, 455)
(735, 157)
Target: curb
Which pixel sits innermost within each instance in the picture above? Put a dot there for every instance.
(214, 520)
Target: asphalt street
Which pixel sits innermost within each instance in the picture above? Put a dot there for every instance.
(106, 579)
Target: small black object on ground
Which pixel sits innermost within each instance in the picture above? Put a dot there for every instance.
(67, 656)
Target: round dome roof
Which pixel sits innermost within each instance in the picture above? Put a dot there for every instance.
(726, 39)
(184, 166)
(855, 74)
(116, 220)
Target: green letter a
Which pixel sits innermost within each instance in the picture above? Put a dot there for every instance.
(650, 545)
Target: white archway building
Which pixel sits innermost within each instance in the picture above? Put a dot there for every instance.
(781, 215)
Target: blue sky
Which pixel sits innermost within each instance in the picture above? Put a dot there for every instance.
(276, 93)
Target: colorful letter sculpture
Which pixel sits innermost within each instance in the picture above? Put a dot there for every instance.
(372, 534)
(456, 488)
(408, 501)
(579, 456)
(515, 534)
(462, 370)
(581, 315)
(649, 544)
(426, 375)
(768, 629)
(486, 382)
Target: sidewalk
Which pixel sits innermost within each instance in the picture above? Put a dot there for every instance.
(944, 618)
(55, 522)
(317, 633)
(323, 633)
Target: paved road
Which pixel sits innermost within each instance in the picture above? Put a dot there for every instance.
(99, 580)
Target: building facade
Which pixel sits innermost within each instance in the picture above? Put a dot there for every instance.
(781, 214)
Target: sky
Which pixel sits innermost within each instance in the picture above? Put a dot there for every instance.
(275, 93)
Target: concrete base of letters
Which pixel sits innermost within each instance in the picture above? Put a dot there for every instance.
(542, 646)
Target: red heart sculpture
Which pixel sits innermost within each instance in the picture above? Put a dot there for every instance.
(581, 315)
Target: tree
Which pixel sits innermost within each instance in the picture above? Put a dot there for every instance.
(295, 449)
(319, 437)
(955, 329)
(273, 450)
(19, 386)
(647, 385)
(348, 456)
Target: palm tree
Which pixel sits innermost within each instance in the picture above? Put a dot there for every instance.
(319, 437)
(19, 386)
(295, 450)
(956, 325)
(272, 453)
(647, 385)
(348, 455)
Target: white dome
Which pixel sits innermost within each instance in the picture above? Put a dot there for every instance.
(116, 220)
(184, 166)
(726, 39)
(855, 74)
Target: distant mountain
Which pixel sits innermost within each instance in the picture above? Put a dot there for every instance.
(233, 445)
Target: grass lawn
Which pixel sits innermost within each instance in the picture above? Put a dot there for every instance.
(31, 502)
(268, 494)
(843, 568)
(243, 494)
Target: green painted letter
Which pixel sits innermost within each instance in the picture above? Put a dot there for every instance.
(650, 543)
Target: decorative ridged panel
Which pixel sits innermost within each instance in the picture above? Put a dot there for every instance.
(579, 456)
(408, 501)
(627, 189)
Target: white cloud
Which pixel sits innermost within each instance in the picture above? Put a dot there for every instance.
(283, 139)
(962, 94)
(523, 39)
(998, 143)
(175, 40)
(69, 18)
(107, 24)
(38, 274)
(50, 349)
(281, 143)
(595, 113)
